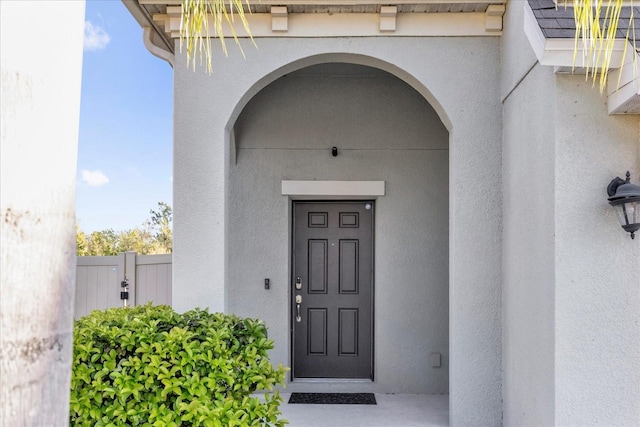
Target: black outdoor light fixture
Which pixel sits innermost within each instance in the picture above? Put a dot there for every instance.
(625, 198)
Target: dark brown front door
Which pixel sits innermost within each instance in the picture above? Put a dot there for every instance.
(332, 289)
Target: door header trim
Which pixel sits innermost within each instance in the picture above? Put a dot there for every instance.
(333, 189)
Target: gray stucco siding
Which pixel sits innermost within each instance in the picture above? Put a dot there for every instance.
(467, 102)
(597, 265)
(570, 273)
(528, 256)
(383, 132)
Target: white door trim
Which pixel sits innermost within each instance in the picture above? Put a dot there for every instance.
(333, 189)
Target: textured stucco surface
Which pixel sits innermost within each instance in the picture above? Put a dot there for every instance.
(468, 105)
(528, 255)
(528, 237)
(384, 130)
(517, 56)
(571, 276)
(597, 264)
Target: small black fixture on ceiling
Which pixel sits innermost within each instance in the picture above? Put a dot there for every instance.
(334, 151)
(625, 198)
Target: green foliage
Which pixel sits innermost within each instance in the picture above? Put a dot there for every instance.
(161, 224)
(154, 237)
(150, 366)
(98, 243)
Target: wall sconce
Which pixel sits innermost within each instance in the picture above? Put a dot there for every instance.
(334, 151)
(625, 198)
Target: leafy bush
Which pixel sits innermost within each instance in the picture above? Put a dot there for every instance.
(151, 366)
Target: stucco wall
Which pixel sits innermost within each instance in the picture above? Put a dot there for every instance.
(528, 212)
(384, 130)
(468, 104)
(517, 56)
(528, 256)
(571, 287)
(597, 264)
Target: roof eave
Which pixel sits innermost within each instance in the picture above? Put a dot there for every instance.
(144, 19)
(560, 52)
(623, 89)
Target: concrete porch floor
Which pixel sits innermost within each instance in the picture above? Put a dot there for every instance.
(401, 410)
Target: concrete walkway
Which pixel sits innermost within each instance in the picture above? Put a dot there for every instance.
(392, 410)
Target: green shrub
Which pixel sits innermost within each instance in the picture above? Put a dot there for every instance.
(151, 366)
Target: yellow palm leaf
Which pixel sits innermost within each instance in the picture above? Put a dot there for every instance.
(195, 31)
(597, 26)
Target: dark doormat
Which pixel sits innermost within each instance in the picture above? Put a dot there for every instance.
(334, 398)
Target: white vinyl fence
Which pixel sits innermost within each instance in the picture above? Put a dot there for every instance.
(99, 281)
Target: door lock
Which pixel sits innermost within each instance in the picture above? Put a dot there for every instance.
(298, 283)
(298, 302)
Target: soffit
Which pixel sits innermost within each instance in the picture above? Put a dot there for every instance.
(346, 6)
(419, 17)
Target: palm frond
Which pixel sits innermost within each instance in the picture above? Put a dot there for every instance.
(203, 20)
(597, 24)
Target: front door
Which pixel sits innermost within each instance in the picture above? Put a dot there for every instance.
(332, 289)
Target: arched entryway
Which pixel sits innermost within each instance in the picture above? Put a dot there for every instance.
(467, 104)
(384, 131)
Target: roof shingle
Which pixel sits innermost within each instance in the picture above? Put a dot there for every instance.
(558, 22)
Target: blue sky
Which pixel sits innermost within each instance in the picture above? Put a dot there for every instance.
(126, 123)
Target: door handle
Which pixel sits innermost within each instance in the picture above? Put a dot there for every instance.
(298, 302)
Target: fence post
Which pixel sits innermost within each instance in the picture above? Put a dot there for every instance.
(130, 272)
(120, 260)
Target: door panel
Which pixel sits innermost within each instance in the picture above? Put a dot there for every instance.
(348, 266)
(333, 259)
(318, 266)
(348, 332)
(317, 331)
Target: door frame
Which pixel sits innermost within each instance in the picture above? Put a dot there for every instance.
(291, 284)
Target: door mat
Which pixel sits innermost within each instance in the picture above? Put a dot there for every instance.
(334, 398)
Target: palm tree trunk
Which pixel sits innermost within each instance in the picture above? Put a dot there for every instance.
(41, 66)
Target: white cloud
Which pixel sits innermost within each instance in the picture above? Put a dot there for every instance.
(94, 178)
(95, 38)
